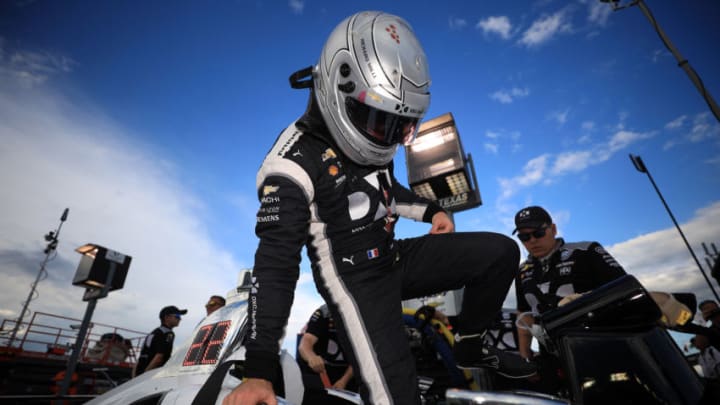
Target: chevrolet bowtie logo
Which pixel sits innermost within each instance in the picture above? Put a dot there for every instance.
(270, 189)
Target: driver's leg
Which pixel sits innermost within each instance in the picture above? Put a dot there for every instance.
(485, 264)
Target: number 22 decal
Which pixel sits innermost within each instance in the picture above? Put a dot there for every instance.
(206, 345)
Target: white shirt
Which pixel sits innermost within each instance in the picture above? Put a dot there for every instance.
(709, 360)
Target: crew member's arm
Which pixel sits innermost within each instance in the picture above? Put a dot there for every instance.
(305, 349)
(155, 362)
(524, 347)
(161, 345)
(524, 336)
(524, 343)
(343, 381)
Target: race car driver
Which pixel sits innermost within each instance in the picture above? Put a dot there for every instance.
(328, 184)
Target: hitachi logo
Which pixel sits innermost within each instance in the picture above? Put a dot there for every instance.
(270, 200)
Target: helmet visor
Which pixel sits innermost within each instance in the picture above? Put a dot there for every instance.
(380, 126)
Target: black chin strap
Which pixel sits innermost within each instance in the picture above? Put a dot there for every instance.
(296, 81)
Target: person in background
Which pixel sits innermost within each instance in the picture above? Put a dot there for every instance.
(157, 348)
(328, 184)
(322, 361)
(214, 303)
(552, 272)
(709, 358)
(710, 313)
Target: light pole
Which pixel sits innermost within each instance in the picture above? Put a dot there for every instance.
(640, 166)
(52, 239)
(682, 62)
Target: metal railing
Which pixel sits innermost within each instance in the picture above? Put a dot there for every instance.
(48, 335)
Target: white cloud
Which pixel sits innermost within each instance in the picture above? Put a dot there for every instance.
(699, 128)
(676, 123)
(518, 92)
(30, 68)
(545, 168)
(121, 195)
(457, 23)
(713, 161)
(501, 137)
(584, 139)
(598, 13)
(622, 117)
(502, 96)
(499, 25)
(658, 53)
(669, 145)
(571, 162)
(559, 116)
(297, 6)
(533, 172)
(508, 96)
(544, 29)
(587, 125)
(622, 139)
(661, 260)
(704, 127)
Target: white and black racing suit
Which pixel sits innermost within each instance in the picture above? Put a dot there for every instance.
(570, 268)
(311, 195)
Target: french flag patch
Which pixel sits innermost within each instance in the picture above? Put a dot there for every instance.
(373, 253)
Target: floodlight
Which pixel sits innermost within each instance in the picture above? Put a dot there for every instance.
(95, 264)
(437, 167)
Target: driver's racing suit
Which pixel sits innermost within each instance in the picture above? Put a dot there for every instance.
(312, 195)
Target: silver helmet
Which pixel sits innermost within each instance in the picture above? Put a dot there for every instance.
(371, 85)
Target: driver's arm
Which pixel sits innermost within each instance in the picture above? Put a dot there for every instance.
(252, 391)
(411, 205)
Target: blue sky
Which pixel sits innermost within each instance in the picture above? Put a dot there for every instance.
(150, 119)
